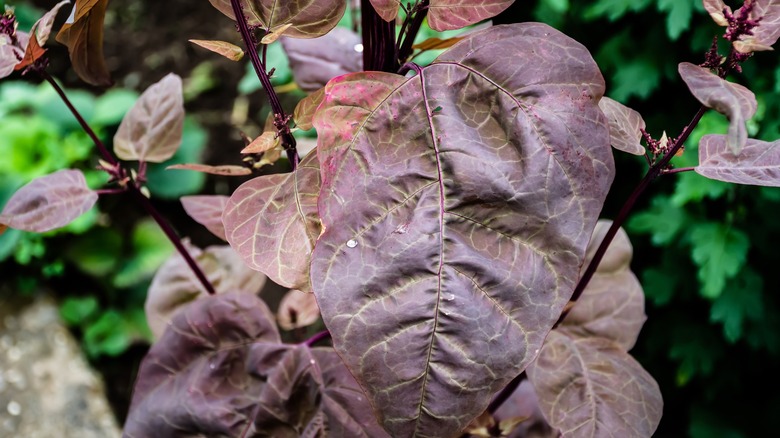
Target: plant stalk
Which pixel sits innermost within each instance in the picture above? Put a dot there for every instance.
(379, 50)
(317, 338)
(280, 122)
(405, 49)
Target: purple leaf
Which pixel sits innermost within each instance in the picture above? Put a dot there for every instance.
(272, 222)
(49, 202)
(590, 387)
(387, 9)
(457, 234)
(765, 35)
(309, 18)
(715, 8)
(733, 100)
(456, 14)
(174, 285)
(613, 304)
(314, 62)
(221, 371)
(9, 54)
(152, 129)
(207, 210)
(757, 164)
(297, 309)
(222, 170)
(625, 126)
(228, 50)
(304, 111)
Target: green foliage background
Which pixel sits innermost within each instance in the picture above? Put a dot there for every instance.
(705, 251)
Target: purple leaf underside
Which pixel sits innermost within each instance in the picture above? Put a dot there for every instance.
(221, 371)
(456, 207)
(307, 18)
(49, 202)
(591, 388)
(272, 222)
(732, 100)
(757, 164)
(316, 61)
(457, 14)
(625, 126)
(207, 210)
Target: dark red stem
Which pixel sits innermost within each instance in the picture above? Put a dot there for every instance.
(317, 338)
(379, 50)
(679, 170)
(405, 49)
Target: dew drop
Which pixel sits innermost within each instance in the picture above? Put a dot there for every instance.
(213, 366)
(352, 243)
(359, 48)
(446, 313)
(449, 297)
(14, 408)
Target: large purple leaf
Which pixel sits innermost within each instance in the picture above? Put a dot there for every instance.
(456, 207)
(456, 14)
(733, 100)
(625, 126)
(757, 164)
(316, 61)
(221, 371)
(49, 202)
(590, 387)
(308, 18)
(152, 129)
(613, 304)
(175, 285)
(272, 222)
(767, 13)
(207, 210)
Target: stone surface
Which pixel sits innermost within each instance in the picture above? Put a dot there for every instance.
(46, 386)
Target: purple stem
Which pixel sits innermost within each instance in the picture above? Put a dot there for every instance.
(405, 49)
(506, 393)
(317, 338)
(288, 141)
(679, 170)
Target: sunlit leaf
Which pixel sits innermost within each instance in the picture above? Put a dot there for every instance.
(297, 309)
(175, 285)
(49, 202)
(590, 387)
(613, 304)
(207, 210)
(715, 8)
(456, 14)
(272, 222)
(437, 43)
(732, 100)
(316, 61)
(152, 130)
(304, 111)
(274, 34)
(438, 246)
(387, 9)
(224, 170)
(308, 18)
(266, 141)
(84, 38)
(757, 164)
(625, 126)
(228, 50)
(221, 371)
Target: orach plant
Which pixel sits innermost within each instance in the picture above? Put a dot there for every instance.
(442, 222)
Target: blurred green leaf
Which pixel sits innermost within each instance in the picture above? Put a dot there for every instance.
(151, 248)
(638, 77)
(696, 349)
(108, 335)
(663, 221)
(76, 311)
(692, 187)
(172, 184)
(112, 106)
(96, 253)
(720, 252)
(740, 301)
(678, 15)
(705, 424)
(614, 9)
(276, 59)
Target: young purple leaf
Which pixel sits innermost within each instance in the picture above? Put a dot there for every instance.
(314, 62)
(715, 8)
(439, 246)
(387, 9)
(297, 309)
(304, 111)
(308, 18)
(207, 210)
(228, 50)
(222, 371)
(272, 222)
(175, 286)
(49, 202)
(767, 13)
(223, 170)
(456, 14)
(613, 304)
(757, 164)
(625, 126)
(152, 130)
(732, 100)
(590, 387)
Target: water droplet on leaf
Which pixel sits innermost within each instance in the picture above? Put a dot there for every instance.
(14, 408)
(352, 243)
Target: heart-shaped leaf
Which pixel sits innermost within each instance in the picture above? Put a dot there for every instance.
(228, 50)
(757, 164)
(308, 18)
(152, 129)
(207, 210)
(221, 371)
(49, 202)
(613, 304)
(314, 62)
(223, 170)
(272, 222)
(387, 9)
(732, 100)
(590, 387)
(84, 37)
(297, 309)
(456, 14)
(443, 263)
(175, 285)
(625, 126)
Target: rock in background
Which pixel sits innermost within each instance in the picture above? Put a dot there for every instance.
(46, 386)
